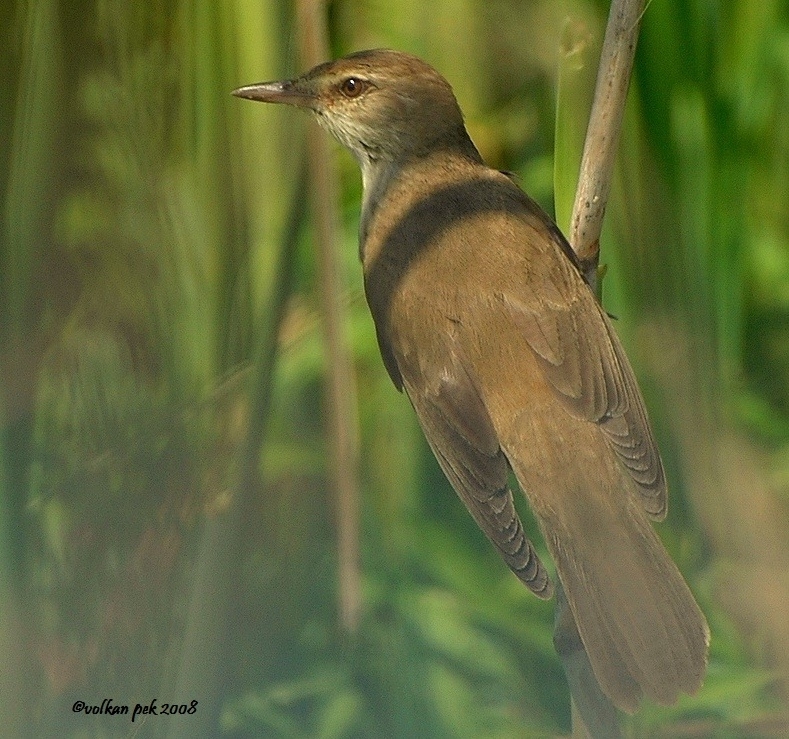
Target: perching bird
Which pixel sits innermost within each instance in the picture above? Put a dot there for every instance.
(486, 323)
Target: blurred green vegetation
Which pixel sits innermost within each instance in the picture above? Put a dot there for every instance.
(161, 356)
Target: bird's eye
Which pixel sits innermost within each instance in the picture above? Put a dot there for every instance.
(353, 87)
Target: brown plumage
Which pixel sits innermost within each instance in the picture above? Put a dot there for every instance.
(484, 320)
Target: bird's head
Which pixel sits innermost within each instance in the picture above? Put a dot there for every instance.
(385, 106)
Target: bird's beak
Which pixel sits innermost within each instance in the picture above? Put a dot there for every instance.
(289, 92)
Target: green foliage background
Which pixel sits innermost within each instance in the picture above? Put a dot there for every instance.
(161, 355)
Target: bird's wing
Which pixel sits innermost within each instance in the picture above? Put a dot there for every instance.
(582, 358)
(461, 435)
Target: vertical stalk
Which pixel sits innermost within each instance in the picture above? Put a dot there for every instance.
(593, 715)
(343, 434)
(602, 135)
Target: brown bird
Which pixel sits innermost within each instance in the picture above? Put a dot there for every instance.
(484, 320)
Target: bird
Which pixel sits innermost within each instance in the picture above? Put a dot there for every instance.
(485, 322)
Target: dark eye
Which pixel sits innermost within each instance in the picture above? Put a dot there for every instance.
(353, 87)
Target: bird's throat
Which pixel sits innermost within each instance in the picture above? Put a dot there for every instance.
(377, 176)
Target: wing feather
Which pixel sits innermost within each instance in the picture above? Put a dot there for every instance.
(583, 360)
(461, 435)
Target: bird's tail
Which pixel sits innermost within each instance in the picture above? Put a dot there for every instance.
(639, 623)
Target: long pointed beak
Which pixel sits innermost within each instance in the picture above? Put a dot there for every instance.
(287, 92)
